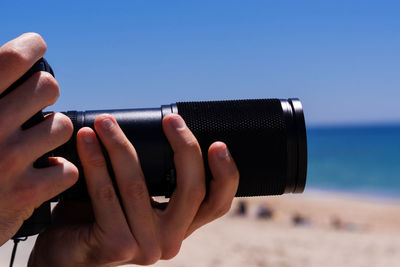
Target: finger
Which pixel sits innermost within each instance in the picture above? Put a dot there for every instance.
(39, 91)
(41, 185)
(34, 142)
(190, 188)
(106, 208)
(131, 184)
(18, 56)
(222, 189)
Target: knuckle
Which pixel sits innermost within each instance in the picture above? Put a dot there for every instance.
(58, 131)
(222, 210)
(71, 171)
(196, 190)
(198, 193)
(150, 255)
(14, 57)
(171, 251)
(123, 255)
(189, 148)
(121, 252)
(106, 193)
(119, 248)
(39, 41)
(96, 161)
(48, 87)
(126, 249)
(64, 126)
(122, 143)
(136, 189)
(192, 145)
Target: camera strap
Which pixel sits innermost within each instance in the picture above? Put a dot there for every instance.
(14, 251)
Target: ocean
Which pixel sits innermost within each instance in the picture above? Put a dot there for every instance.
(355, 159)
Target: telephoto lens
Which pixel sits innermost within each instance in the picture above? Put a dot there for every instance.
(266, 138)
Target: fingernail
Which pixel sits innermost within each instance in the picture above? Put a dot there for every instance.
(88, 138)
(178, 123)
(224, 153)
(106, 124)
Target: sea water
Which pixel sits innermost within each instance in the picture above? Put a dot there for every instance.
(355, 159)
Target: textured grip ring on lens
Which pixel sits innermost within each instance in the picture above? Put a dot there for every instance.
(256, 133)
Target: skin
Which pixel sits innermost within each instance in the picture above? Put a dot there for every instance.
(23, 188)
(143, 235)
(104, 231)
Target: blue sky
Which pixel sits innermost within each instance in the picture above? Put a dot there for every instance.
(341, 58)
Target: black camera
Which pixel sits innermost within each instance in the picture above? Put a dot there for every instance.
(266, 137)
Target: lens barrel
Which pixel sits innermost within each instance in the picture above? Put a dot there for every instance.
(266, 138)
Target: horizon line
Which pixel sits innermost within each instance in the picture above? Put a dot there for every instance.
(350, 124)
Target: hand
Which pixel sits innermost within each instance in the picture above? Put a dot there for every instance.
(137, 233)
(22, 187)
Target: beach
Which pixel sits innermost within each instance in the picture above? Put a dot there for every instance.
(368, 235)
(310, 229)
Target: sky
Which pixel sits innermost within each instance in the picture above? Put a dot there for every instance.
(341, 58)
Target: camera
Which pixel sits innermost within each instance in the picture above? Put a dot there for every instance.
(266, 138)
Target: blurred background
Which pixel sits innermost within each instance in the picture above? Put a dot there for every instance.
(341, 58)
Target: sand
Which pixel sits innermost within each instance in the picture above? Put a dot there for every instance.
(336, 230)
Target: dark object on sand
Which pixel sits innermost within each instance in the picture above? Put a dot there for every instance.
(241, 208)
(264, 212)
(300, 220)
(338, 224)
